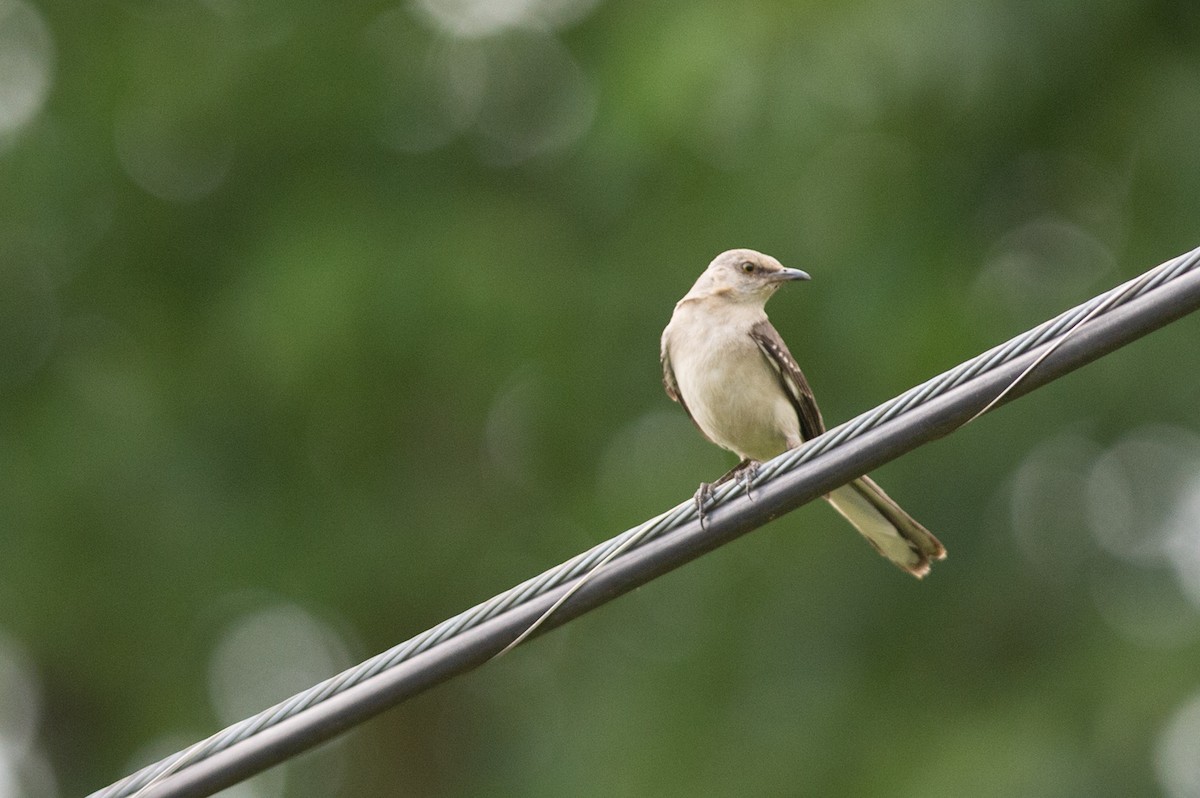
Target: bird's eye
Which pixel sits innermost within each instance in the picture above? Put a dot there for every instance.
(748, 267)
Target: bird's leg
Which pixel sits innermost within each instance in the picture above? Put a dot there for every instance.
(736, 472)
(703, 496)
(743, 472)
(747, 472)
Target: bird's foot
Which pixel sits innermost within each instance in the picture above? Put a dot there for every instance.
(745, 473)
(704, 495)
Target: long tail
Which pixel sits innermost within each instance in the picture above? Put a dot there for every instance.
(894, 533)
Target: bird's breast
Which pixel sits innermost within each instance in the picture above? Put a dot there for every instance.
(731, 391)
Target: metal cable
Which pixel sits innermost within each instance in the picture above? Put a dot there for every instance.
(1084, 333)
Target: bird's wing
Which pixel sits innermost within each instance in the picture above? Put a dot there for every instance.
(669, 378)
(673, 388)
(790, 378)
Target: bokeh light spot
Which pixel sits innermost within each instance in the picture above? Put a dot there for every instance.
(478, 18)
(1177, 758)
(1134, 487)
(1045, 261)
(520, 91)
(1143, 606)
(268, 655)
(26, 63)
(1182, 539)
(654, 443)
(538, 100)
(1143, 509)
(20, 700)
(430, 87)
(175, 158)
(1049, 504)
(24, 771)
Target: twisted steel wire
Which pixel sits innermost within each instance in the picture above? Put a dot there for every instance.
(1052, 332)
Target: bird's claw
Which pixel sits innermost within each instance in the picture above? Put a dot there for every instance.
(746, 476)
(744, 473)
(704, 494)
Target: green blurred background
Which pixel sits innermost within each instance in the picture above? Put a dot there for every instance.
(321, 322)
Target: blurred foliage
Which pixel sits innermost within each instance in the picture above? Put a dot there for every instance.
(320, 322)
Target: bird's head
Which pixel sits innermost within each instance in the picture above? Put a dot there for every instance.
(744, 275)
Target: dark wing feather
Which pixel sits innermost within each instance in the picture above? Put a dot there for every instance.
(790, 378)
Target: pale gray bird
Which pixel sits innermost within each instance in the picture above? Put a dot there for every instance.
(729, 369)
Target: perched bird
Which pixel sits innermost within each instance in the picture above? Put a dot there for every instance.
(729, 369)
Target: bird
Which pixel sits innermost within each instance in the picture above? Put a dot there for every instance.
(730, 370)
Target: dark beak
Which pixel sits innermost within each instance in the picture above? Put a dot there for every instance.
(787, 275)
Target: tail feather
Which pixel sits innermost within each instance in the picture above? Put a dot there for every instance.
(894, 533)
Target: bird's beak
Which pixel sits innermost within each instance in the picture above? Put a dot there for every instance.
(787, 275)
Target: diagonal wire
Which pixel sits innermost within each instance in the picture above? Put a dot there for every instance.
(1054, 332)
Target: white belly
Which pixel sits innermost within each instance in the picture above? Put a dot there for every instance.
(734, 395)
